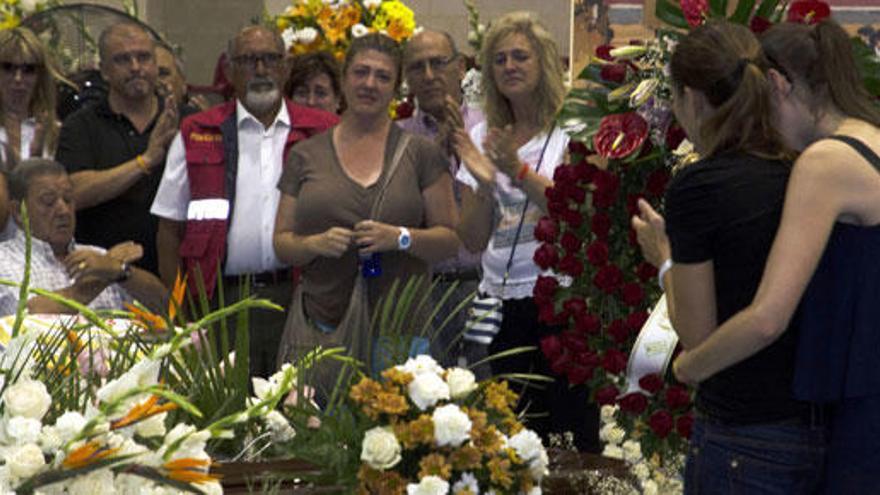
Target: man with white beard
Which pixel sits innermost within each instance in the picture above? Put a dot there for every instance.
(218, 196)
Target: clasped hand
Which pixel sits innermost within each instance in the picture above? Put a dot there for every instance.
(88, 263)
(369, 236)
(500, 154)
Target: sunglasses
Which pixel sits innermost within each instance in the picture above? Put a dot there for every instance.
(12, 68)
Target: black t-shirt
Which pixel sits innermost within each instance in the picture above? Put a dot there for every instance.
(727, 210)
(96, 138)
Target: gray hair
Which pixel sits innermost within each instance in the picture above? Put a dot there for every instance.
(232, 46)
(21, 177)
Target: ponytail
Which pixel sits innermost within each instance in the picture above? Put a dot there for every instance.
(841, 73)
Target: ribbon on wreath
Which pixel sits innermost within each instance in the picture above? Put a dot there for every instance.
(653, 348)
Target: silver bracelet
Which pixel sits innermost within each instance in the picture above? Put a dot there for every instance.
(664, 267)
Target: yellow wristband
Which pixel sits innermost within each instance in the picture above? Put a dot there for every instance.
(142, 164)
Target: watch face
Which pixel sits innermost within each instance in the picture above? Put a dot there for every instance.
(404, 240)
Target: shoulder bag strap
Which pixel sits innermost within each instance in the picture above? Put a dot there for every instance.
(523, 215)
(402, 143)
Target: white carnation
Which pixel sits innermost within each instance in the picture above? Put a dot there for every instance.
(452, 427)
(422, 363)
(613, 451)
(307, 35)
(49, 439)
(632, 451)
(608, 413)
(100, 481)
(28, 398)
(642, 471)
(23, 430)
(427, 389)
(429, 485)
(25, 461)
(69, 425)
(154, 426)
(461, 382)
(539, 467)
(611, 433)
(467, 482)
(380, 450)
(359, 30)
(527, 445)
(289, 37)
(649, 487)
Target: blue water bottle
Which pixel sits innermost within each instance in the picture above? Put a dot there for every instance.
(371, 265)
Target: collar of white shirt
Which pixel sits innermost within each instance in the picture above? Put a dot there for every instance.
(242, 116)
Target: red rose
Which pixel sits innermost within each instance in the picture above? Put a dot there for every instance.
(620, 135)
(632, 238)
(684, 425)
(758, 24)
(556, 208)
(575, 306)
(546, 256)
(607, 395)
(587, 324)
(574, 342)
(661, 423)
(546, 230)
(561, 364)
(608, 278)
(604, 52)
(614, 361)
(570, 265)
(545, 287)
(578, 374)
(404, 110)
(600, 225)
(633, 403)
(563, 174)
(656, 183)
(646, 271)
(618, 331)
(551, 346)
(651, 383)
(607, 185)
(597, 253)
(615, 73)
(694, 11)
(577, 148)
(547, 314)
(635, 321)
(576, 194)
(570, 242)
(632, 294)
(584, 172)
(554, 193)
(674, 136)
(677, 397)
(808, 11)
(632, 203)
(573, 218)
(588, 358)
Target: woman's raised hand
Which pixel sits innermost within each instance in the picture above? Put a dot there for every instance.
(477, 164)
(501, 150)
(650, 230)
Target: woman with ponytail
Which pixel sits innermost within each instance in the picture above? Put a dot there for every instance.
(824, 260)
(750, 435)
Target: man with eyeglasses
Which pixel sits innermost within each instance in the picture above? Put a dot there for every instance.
(115, 148)
(218, 197)
(434, 70)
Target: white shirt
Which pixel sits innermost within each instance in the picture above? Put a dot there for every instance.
(47, 272)
(260, 162)
(28, 129)
(509, 201)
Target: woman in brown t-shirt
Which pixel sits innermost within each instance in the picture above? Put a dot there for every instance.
(330, 183)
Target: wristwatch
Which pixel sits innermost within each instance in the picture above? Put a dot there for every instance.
(404, 240)
(124, 273)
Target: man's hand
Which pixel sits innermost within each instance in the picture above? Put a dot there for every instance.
(126, 252)
(163, 132)
(86, 263)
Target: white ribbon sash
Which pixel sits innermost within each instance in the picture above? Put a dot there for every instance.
(653, 348)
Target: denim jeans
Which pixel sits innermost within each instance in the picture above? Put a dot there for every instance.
(768, 458)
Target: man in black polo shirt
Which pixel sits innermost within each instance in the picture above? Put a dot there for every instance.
(115, 149)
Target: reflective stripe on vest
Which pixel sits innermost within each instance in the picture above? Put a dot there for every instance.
(208, 209)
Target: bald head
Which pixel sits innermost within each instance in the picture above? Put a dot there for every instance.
(253, 33)
(434, 70)
(121, 33)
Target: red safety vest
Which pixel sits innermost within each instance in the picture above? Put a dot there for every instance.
(208, 138)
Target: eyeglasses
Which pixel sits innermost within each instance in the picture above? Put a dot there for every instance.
(12, 68)
(435, 63)
(129, 58)
(249, 61)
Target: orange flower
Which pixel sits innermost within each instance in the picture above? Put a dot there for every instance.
(349, 16)
(75, 342)
(142, 411)
(190, 470)
(149, 320)
(177, 293)
(397, 31)
(86, 455)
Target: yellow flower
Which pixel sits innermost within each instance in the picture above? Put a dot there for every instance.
(435, 465)
(350, 15)
(499, 397)
(499, 472)
(397, 376)
(390, 403)
(488, 440)
(417, 432)
(466, 458)
(282, 23)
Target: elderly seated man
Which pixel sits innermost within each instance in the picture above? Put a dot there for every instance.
(101, 279)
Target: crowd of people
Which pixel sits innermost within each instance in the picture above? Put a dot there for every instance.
(302, 190)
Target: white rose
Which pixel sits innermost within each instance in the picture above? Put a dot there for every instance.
(608, 413)
(429, 485)
(359, 30)
(381, 450)
(632, 451)
(154, 426)
(613, 451)
(649, 487)
(422, 363)
(25, 461)
(28, 398)
(452, 427)
(642, 471)
(527, 445)
(100, 481)
(426, 389)
(307, 35)
(467, 482)
(539, 467)
(461, 382)
(23, 430)
(611, 433)
(69, 425)
(49, 439)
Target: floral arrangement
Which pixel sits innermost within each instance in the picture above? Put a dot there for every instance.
(625, 146)
(13, 11)
(311, 25)
(432, 431)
